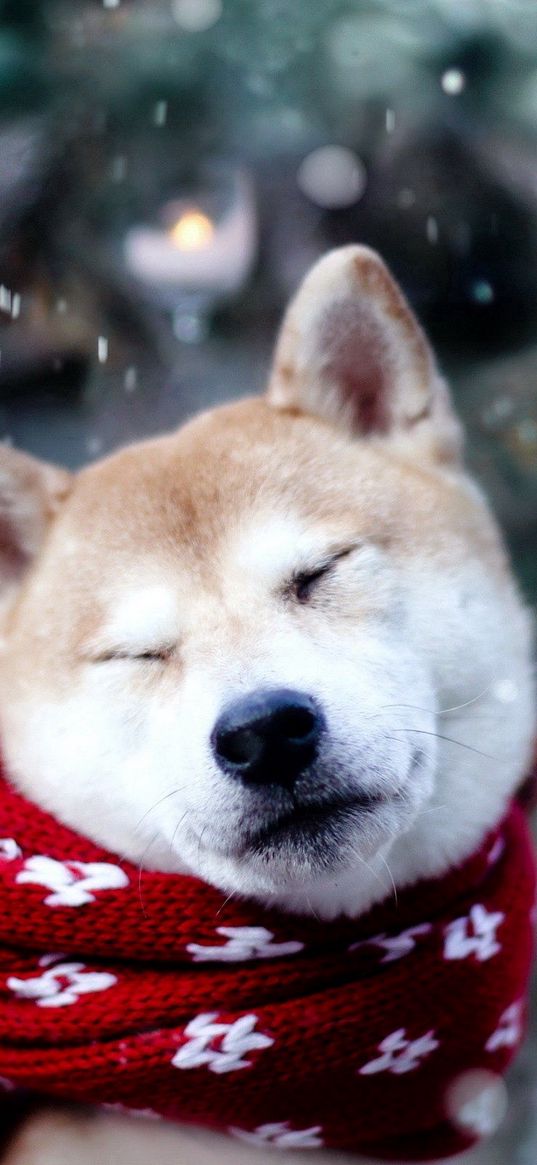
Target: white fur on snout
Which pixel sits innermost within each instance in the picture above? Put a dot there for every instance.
(359, 684)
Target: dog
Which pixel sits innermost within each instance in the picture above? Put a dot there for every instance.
(308, 584)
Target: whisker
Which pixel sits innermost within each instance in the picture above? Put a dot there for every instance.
(313, 911)
(442, 711)
(224, 903)
(367, 866)
(140, 868)
(449, 739)
(467, 703)
(530, 671)
(200, 839)
(177, 827)
(483, 714)
(383, 860)
(157, 803)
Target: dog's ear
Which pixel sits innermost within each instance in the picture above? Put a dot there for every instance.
(351, 351)
(31, 492)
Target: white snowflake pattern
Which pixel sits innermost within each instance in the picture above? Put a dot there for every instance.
(473, 935)
(399, 1054)
(398, 945)
(61, 985)
(9, 850)
(280, 1135)
(244, 942)
(508, 1034)
(221, 1047)
(72, 883)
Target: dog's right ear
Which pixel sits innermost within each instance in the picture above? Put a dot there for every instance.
(31, 493)
(351, 351)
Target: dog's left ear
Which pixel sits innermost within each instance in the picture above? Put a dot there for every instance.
(31, 493)
(351, 351)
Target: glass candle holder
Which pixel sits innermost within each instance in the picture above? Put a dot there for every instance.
(198, 251)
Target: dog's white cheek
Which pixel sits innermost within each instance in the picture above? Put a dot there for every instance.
(96, 759)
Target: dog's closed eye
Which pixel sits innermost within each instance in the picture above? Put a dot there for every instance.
(304, 582)
(158, 655)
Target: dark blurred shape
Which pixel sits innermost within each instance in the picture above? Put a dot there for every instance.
(411, 127)
(462, 243)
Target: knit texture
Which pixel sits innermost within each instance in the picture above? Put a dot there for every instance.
(153, 992)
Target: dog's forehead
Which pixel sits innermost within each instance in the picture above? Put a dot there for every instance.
(214, 478)
(249, 483)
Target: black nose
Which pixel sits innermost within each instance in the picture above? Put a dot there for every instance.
(268, 737)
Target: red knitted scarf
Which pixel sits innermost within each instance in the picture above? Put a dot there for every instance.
(155, 992)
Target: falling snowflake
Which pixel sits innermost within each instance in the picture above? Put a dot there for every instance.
(481, 1115)
(482, 291)
(453, 82)
(496, 851)
(94, 446)
(477, 1102)
(196, 15)
(5, 299)
(431, 229)
(131, 379)
(118, 168)
(160, 113)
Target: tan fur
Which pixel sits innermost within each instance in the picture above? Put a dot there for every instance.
(188, 491)
(431, 600)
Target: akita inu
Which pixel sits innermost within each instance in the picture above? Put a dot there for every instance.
(280, 649)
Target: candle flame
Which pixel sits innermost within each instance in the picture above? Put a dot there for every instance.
(192, 231)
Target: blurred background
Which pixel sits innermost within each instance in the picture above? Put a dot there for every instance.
(170, 168)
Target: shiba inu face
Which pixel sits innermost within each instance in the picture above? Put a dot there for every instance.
(280, 648)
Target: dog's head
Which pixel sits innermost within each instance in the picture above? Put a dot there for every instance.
(273, 647)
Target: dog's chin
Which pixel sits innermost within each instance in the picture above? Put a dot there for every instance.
(299, 851)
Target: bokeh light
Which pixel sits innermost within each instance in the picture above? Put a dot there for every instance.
(332, 176)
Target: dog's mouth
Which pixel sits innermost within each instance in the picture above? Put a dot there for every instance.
(313, 834)
(310, 821)
(308, 827)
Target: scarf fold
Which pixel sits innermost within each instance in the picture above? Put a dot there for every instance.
(377, 1035)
